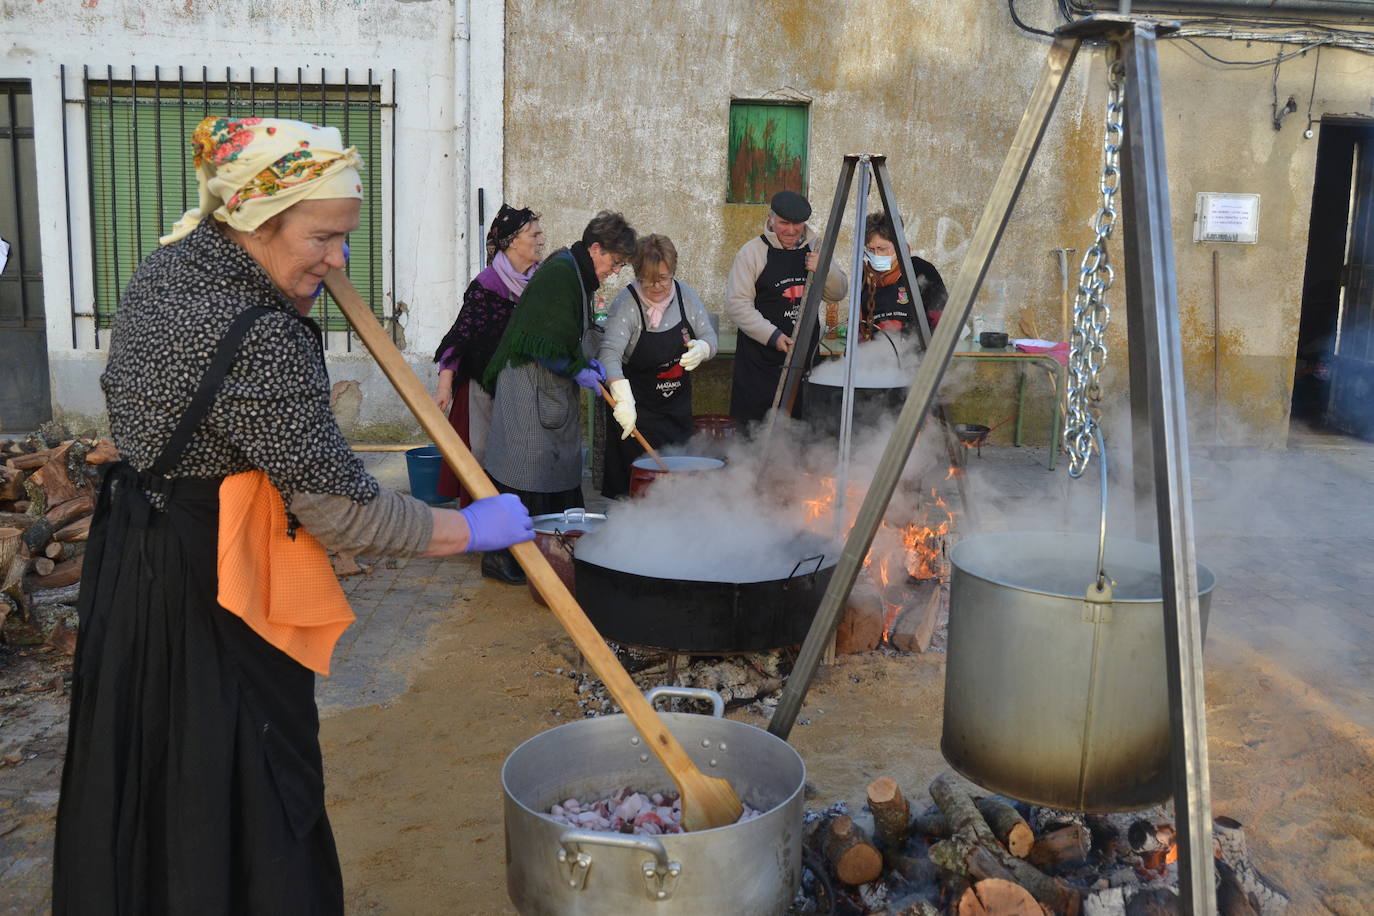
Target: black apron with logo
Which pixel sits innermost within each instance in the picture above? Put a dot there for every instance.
(193, 781)
(893, 303)
(663, 396)
(778, 297)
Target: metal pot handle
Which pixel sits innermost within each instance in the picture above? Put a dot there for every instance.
(660, 874)
(691, 693)
(1102, 525)
(575, 516)
(819, 558)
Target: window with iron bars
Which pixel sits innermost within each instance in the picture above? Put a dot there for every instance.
(142, 178)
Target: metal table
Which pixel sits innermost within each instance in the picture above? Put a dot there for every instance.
(968, 349)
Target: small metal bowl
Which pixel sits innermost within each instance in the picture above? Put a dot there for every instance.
(993, 340)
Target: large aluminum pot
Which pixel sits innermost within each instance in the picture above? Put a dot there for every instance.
(743, 869)
(1050, 698)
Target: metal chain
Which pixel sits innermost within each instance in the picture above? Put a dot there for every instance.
(1091, 314)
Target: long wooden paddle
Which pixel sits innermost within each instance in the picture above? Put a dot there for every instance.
(639, 437)
(707, 801)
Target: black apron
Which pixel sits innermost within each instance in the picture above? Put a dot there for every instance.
(193, 781)
(778, 297)
(663, 397)
(893, 303)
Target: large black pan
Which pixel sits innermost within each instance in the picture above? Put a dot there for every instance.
(689, 615)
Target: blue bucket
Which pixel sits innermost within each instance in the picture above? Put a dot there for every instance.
(422, 466)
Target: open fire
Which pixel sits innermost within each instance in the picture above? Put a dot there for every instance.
(905, 566)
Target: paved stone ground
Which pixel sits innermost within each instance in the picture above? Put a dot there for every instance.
(1288, 533)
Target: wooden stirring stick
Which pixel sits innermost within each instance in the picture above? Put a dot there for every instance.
(639, 437)
(707, 801)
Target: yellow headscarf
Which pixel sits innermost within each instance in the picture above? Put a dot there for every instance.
(250, 169)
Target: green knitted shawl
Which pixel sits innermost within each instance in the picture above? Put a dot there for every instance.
(547, 323)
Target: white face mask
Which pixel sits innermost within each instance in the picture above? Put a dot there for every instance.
(882, 263)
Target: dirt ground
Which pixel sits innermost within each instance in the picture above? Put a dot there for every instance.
(414, 786)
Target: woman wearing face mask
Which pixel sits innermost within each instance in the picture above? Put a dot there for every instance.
(887, 302)
(657, 332)
(515, 244)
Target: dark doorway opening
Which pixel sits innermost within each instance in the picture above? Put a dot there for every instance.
(25, 401)
(1333, 387)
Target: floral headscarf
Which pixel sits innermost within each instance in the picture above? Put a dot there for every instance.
(250, 169)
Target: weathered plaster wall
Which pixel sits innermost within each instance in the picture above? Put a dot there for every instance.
(447, 127)
(632, 114)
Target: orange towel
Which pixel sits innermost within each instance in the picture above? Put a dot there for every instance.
(284, 589)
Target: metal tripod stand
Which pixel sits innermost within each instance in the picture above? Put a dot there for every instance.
(798, 358)
(1159, 440)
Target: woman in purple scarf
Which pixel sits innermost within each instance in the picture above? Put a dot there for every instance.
(515, 244)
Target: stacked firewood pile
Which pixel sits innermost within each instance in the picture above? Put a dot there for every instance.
(47, 496)
(985, 856)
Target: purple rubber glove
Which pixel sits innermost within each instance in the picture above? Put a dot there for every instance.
(591, 376)
(496, 522)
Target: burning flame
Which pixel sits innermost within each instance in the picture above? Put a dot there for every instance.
(918, 547)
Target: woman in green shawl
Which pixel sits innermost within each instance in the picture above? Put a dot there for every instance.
(534, 449)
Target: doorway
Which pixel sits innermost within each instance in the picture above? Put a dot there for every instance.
(25, 399)
(1333, 386)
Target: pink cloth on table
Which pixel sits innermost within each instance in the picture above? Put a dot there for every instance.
(1060, 351)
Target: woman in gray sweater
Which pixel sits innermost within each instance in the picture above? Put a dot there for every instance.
(657, 332)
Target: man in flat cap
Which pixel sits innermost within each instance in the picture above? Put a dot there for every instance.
(763, 296)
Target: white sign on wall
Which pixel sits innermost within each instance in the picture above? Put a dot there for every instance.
(1226, 217)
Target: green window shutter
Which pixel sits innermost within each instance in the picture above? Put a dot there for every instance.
(767, 154)
(142, 177)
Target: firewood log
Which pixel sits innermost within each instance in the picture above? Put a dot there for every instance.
(972, 831)
(21, 520)
(1109, 901)
(1066, 846)
(76, 531)
(66, 572)
(12, 584)
(30, 461)
(1150, 834)
(1232, 900)
(891, 813)
(42, 566)
(11, 540)
(56, 550)
(1007, 825)
(102, 452)
(1153, 901)
(996, 897)
(915, 626)
(56, 479)
(1264, 894)
(852, 857)
(46, 597)
(11, 484)
(1043, 820)
(930, 823)
(56, 518)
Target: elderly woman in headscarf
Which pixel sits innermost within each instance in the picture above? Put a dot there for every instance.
(515, 243)
(193, 781)
(534, 449)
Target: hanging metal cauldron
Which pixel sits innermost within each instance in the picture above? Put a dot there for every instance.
(1056, 686)
(749, 868)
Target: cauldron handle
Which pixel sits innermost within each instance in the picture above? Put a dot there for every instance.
(820, 560)
(660, 875)
(690, 693)
(1102, 524)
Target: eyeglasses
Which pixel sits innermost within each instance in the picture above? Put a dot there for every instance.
(659, 281)
(618, 264)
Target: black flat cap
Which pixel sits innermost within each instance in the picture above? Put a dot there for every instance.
(791, 206)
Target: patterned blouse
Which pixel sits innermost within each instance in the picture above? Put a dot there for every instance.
(272, 412)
